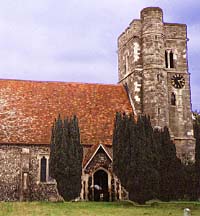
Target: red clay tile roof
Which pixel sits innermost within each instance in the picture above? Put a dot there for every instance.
(28, 110)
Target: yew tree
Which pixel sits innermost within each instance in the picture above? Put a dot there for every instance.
(66, 155)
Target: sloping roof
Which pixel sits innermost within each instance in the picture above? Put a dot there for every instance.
(29, 108)
(92, 151)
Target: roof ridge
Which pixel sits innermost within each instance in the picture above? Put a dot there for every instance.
(64, 82)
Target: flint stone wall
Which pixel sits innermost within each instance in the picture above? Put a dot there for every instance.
(16, 160)
(100, 160)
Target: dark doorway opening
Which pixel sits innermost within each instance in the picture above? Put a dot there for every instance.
(101, 186)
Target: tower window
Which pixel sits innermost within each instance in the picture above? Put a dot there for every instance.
(43, 169)
(125, 68)
(173, 99)
(169, 59)
(166, 59)
(158, 111)
(126, 64)
(158, 77)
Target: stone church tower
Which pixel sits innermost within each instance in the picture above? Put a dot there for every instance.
(153, 66)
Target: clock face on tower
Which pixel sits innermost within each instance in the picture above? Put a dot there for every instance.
(178, 81)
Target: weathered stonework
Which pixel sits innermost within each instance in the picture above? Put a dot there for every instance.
(101, 160)
(20, 163)
(20, 174)
(144, 70)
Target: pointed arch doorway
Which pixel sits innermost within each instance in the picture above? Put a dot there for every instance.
(101, 186)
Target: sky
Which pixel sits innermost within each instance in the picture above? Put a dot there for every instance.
(76, 41)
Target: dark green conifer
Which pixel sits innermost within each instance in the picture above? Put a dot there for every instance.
(132, 156)
(66, 157)
(146, 177)
(171, 170)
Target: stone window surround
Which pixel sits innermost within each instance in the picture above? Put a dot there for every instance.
(173, 99)
(126, 62)
(159, 111)
(48, 180)
(158, 77)
(168, 63)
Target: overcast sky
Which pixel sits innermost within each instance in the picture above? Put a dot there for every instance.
(76, 40)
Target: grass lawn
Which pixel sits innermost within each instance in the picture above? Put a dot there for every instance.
(96, 209)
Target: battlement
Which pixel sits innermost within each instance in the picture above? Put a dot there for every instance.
(175, 31)
(151, 13)
(132, 31)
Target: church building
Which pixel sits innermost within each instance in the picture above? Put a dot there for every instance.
(153, 80)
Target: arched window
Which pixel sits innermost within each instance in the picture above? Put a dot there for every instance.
(43, 169)
(171, 59)
(173, 99)
(166, 59)
(126, 63)
(158, 77)
(125, 69)
(158, 111)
